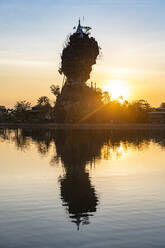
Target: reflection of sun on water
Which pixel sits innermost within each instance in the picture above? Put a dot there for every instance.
(117, 89)
(120, 152)
(114, 152)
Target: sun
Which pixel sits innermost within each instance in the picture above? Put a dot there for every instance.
(117, 89)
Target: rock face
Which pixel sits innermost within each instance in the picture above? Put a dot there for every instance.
(75, 103)
(77, 100)
(78, 57)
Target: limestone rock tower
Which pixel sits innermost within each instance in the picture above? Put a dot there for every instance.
(76, 99)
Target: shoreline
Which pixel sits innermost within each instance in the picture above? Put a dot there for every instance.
(130, 126)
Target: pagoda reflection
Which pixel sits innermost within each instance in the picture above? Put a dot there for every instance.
(77, 192)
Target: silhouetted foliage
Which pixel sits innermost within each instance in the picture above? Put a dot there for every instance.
(20, 111)
(22, 106)
(55, 89)
(162, 105)
(43, 101)
(116, 112)
(78, 56)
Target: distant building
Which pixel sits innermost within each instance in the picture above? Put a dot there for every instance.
(157, 116)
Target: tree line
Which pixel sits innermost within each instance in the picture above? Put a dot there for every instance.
(109, 111)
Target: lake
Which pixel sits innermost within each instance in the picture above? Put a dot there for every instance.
(96, 188)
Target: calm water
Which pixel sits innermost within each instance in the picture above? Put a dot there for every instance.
(82, 189)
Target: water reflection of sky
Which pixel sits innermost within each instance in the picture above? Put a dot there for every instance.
(107, 185)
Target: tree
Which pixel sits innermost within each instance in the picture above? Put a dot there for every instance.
(43, 101)
(162, 105)
(22, 106)
(142, 105)
(106, 97)
(55, 90)
(138, 111)
(21, 110)
(45, 108)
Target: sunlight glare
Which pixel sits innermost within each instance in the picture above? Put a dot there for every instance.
(117, 89)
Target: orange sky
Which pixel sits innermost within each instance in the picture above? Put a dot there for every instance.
(33, 33)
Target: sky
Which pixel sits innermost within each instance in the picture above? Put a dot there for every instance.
(131, 34)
